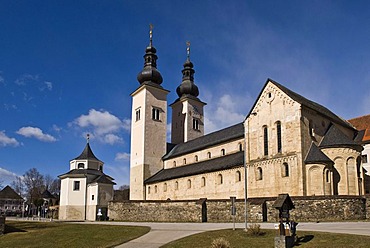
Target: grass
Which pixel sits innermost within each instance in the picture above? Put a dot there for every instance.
(239, 238)
(58, 234)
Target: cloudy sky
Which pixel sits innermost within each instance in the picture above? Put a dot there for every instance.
(67, 68)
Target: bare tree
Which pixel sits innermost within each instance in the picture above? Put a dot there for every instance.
(18, 186)
(55, 187)
(48, 181)
(123, 187)
(34, 184)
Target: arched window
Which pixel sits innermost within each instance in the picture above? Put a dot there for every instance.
(265, 141)
(259, 173)
(223, 152)
(238, 176)
(149, 190)
(278, 133)
(196, 158)
(81, 165)
(189, 183)
(174, 163)
(184, 160)
(240, 147)
(327, 176)
(176, 185)
(155, 189)
(165, 187)
(209, 155)
(285, 170)
(219, 179)
(203, 181)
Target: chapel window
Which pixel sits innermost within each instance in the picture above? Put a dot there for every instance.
(259, 173)
(285, 169)
(189, 183)
(149, 190)
(364, 158)
(238, 176)
(165, 187)
(196, 158)
(155, 189)
(265, 141)
(76, 185)
(209, 155)
(278, 133)
(327, 176)
(176, 185)
(203, 182)
(219, 179)
(174, 163)
(184, 161)
(223, 152)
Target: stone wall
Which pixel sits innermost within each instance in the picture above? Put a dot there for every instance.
(314, 208)
(2, 225)
(161, 211)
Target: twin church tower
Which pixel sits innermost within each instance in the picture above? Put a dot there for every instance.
(149, 119)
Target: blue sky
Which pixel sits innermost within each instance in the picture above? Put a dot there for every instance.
(67, 68)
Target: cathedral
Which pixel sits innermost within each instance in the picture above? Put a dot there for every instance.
(285, 144)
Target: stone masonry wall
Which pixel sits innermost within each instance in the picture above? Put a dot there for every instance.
(315, 208)
(161, 211)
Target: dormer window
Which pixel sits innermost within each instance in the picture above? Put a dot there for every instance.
(196, 124)
(81, 166)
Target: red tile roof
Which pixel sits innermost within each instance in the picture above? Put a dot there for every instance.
(362, 123)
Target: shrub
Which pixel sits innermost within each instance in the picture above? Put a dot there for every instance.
(220, 243)
(255, 230)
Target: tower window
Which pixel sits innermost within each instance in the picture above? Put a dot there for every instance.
(155, 189)
(174, 163)
(176, 185)
(189, 183)
(92, 197)
(155, 114)
(223, 152)
(165, 187)
(209, 155)
(278, 132)
(76, 185)
(196, 124)
(327, 176)
(364, 158)
(196, 158)
(184, 161)
(240, 147)
(137, 114)
(265, 141)
(81, 165)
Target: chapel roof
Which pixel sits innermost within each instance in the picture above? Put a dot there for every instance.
(218, 137)
(87, 153)
(335, 137)
(95, 174)
(211, 165)
(9, 193)
(315, 155)
(103, 179)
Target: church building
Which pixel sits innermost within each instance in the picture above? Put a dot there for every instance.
(286, 144)
(85, 190)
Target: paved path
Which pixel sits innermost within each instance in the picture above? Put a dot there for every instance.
(163, 233)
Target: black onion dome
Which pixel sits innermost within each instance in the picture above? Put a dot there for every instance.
(150, 72)
(187, 86)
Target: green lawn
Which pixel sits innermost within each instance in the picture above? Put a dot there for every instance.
(58, 234)
(239, 238)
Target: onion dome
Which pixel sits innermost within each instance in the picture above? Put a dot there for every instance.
(187, 86)
(150, 72)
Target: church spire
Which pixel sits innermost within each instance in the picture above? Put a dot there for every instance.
(187, 86)
(150, 74)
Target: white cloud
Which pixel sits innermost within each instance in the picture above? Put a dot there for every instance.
(57, 128)
(122, 156)
(112, 139)
(26, 78)
(49, 85)
(106, 126)
(35, 132)
(7, 141)
(7, 176)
